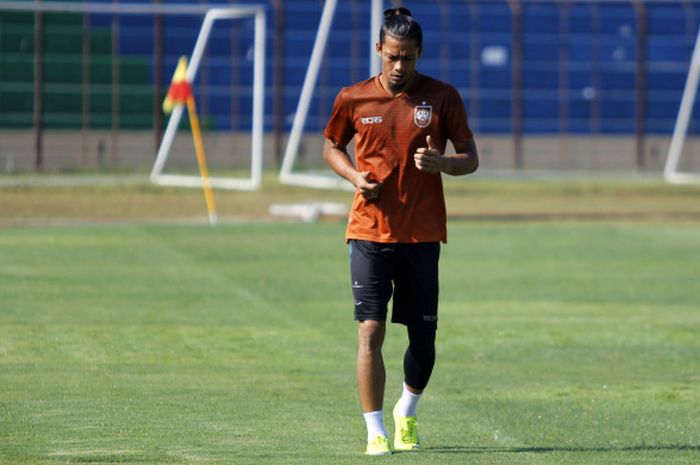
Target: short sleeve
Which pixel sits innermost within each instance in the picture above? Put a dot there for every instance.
(340, 129)
(456, 124)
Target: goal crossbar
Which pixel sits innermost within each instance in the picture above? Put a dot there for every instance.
(122, 8)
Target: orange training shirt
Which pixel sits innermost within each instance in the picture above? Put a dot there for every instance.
(387, 132)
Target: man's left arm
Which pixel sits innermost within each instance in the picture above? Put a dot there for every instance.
(464, 161)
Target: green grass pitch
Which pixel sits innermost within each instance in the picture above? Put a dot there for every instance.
(560, 342)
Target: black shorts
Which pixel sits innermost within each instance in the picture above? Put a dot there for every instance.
(408, 271)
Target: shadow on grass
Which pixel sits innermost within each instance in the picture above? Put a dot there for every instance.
(544, 450)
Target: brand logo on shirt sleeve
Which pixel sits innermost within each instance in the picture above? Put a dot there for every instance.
(372, 120)
(422, 114)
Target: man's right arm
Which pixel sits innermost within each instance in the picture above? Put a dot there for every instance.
(339, 160)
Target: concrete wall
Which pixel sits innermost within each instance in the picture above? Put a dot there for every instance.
(66, 151)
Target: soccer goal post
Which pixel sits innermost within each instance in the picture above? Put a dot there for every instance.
(253, 182)
(326, 180)
(99, 29)
(672, 172)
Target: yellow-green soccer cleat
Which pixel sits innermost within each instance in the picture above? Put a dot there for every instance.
(405, 433)
(378, 445)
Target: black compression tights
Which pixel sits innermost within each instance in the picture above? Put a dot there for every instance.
(419, 359)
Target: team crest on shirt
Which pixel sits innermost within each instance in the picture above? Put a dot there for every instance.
(422, 114)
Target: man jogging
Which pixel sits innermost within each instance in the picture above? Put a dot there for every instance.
(400, 121)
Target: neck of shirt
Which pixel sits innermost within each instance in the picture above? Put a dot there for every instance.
(408, 86)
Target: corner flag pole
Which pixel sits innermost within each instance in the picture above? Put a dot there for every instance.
(201, 159)
(180, 93)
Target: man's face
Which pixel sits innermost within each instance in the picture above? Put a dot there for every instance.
(399, 58)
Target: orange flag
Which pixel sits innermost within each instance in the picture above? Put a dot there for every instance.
(180, 90)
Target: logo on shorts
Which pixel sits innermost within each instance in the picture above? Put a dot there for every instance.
(422, 114)
(372, 120)
(429, 317)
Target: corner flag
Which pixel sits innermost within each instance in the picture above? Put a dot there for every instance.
(180, 93)
(180, 89)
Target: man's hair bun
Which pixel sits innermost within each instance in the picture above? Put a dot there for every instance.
(389, 12)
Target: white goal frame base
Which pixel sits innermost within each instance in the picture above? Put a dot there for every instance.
(255, 179)
(322, 181)
(671, 173)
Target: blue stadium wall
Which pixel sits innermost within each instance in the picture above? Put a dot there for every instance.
(579, 65)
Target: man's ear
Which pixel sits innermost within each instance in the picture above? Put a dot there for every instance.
(420, 52)
(378, 47)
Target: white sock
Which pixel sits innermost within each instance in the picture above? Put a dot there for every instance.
(407, 404)
(375, 424)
